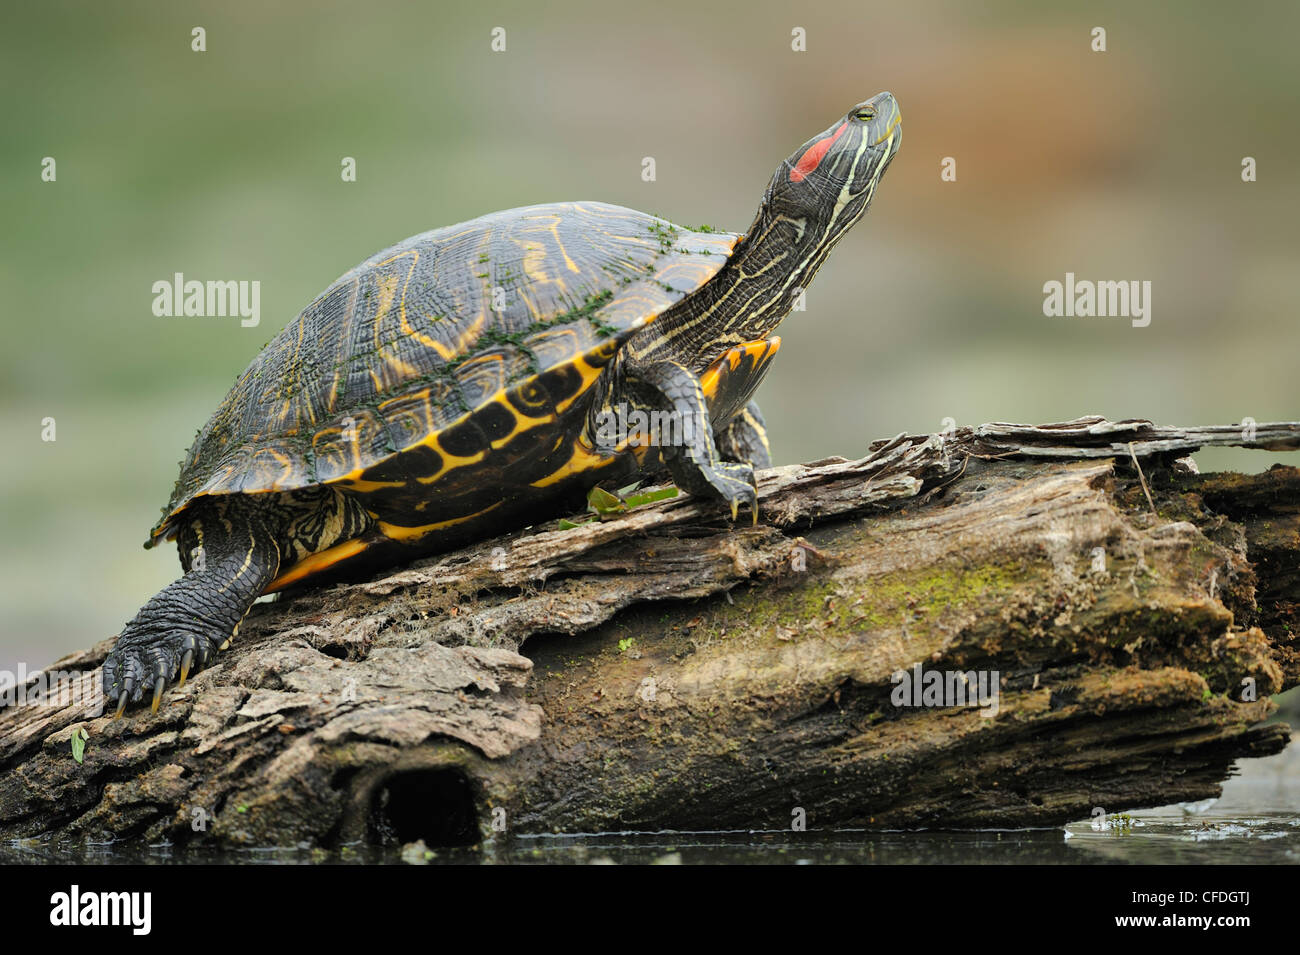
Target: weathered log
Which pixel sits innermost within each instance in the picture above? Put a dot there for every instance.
(665, 669)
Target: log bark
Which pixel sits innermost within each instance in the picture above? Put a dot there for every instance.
(665, 669)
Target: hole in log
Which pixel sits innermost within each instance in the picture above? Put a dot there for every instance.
(436, 805)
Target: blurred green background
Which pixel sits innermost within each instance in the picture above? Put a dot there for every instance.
(226, 165)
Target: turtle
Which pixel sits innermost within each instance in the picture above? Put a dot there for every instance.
(484, 376)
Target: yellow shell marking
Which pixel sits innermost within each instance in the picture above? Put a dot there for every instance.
(583, 458)
(315, 563)
(407, 534)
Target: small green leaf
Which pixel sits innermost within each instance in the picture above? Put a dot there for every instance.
(626, 644)
(567, 525)
(79, 737)
(663, 494)
(602, 502)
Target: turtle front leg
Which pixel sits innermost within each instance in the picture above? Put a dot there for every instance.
(229, 554)
(692, 455)
(745, 439)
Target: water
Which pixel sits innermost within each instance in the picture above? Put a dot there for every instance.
(1257, 820)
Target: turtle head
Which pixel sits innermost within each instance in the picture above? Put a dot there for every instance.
(827, 184)
(816, 195)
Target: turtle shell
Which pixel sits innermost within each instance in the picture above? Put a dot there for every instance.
(519, 309)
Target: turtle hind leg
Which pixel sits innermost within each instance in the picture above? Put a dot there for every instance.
(745, 439)
(229, 552)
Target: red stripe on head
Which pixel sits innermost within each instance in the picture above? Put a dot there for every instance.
(814, 154)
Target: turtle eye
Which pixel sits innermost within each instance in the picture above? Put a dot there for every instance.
(865, 114)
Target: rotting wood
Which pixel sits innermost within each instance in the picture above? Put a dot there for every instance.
(665, 669)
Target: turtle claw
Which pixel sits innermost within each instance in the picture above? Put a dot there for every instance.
(751, 499)
(128, 684)
(158, 687)
(744, 494)
(193, 649)
(737, 486)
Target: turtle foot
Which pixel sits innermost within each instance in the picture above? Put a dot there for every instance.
(143, 661)
(731, 481)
